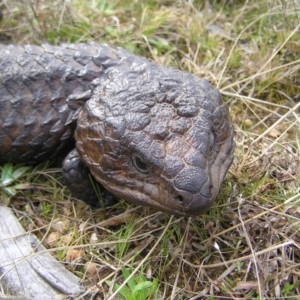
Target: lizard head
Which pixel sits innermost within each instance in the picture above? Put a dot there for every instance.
(156, 136)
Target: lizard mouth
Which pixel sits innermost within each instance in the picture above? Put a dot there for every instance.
(176, 202)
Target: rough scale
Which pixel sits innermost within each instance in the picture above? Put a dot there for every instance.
(151, 135)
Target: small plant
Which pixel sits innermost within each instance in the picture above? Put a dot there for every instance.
(239, 266)
(137, 288)
(9, 175)
(288, 289)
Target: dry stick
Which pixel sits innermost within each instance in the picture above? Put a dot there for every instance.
(95, 288)
(202, 266)
(297, 196)
(275, 141)
(226, 272)
(272, 56)
(262, 121)
(232, 48)
(62, 15)
(142, 262)
(187, 262)
(292, 110)
(271, 145)
(221, 264)
(235, 95)
(102, 224)
(182, 242)
(235, 43)
(259, 74)
(247, 82)
(253, 254)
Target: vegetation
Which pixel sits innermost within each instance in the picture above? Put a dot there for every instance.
(248, 245)
(139, 288)
(9, 175)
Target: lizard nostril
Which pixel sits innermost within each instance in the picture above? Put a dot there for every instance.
(179, 199)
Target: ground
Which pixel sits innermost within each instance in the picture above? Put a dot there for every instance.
(248, 245)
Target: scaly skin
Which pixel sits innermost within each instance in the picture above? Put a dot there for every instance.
(151, 135)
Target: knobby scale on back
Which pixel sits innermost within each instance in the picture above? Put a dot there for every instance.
(151, 135)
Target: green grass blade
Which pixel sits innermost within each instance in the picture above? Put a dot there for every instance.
(10, 190)
(131, 281)
(142, 286)
(6, 174)
(19, 172)
(124, 291)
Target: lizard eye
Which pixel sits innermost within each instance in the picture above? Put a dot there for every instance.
(140, 164)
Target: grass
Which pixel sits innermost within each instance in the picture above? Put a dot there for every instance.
(248, 245)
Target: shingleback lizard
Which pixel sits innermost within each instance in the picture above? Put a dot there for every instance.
(151, 135)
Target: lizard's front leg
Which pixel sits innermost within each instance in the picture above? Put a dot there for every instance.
(79, 180)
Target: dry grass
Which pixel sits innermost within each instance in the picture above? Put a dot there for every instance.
(248, 245)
